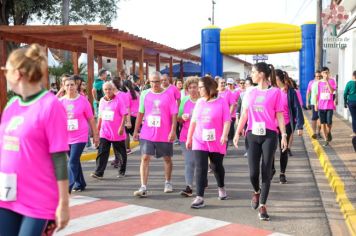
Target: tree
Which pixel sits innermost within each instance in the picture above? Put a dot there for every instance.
(20, 12)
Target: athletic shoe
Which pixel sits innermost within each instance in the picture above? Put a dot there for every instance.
(326, 143)
(168, 188)
(245, 155)
(282, 179)
(95, 176)
(262, 213)
(330, 137)
(319, 136)
(197, 203)
(314, 136)
(129, 151)
(114, 162)
(255, 201)
(222, 194)
(289, 152)
(121, 175)
(141, 192)
(78, 189)
(176, 142)
(210, 170)
(187, 192)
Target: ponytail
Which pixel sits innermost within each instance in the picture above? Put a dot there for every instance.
(272, 75)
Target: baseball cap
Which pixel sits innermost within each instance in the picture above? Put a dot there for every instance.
(230, 81)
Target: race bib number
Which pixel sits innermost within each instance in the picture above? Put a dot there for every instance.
(8, 187)
(259, 128)
(209, 135)
(325, 96)
(72, 124)
(154, 121)
(108, 115)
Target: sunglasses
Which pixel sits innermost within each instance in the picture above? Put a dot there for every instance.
(155, 81)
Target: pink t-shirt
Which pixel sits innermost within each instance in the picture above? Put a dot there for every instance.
(310, 85)
(158, 109)
(284, 100)
(78, 114)
(29, 133)
(134, 103)
(173, 90)
(235, 95)
(210, 117)
(262, 106)
(186, 107)
(111, 114)
(325, 97)
(125, 98)
(227, 96)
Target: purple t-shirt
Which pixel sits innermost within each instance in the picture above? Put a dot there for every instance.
(111, 113)
(29, 133)
(210, 117)
(78, 113)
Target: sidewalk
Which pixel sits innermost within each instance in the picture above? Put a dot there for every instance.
(338, 161)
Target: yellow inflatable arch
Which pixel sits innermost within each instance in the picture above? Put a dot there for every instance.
(261, 38)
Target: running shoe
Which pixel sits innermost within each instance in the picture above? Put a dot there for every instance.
(326, 143)
(330, 137)
(314, 136)
(141, 192)
(176, 142)
(319, 136)
(78, 189)
(222, 193)
(129, 151)
(187, 192)
(262, 213)
(114, 162)
(95, 176)
(282, 179)
(168, 188)
(245, 155)
(255, 201)
(197, 203)
(121, 175)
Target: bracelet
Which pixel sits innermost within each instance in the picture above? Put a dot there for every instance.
(284, 135)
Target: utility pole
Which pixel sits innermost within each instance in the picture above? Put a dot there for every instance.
(319, 37)
(212, 18)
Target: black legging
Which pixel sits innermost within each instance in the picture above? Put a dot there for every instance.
(201, 165)
(264, 146)
(283, 158)
(232, 129)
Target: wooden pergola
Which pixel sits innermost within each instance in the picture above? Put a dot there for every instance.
(95, 40)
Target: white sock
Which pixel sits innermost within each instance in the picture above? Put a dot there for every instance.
(143, 186)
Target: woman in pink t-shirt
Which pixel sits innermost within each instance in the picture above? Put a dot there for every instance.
(261, 107)
(79, 114)
(134, 100)
(33, 150)
(207, 137)
(184, 116)
(111, 124)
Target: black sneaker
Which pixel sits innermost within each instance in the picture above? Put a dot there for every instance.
(255, 201)
(95, 176)
(330, 137)
(262, 213)
(121, 175)
(282, 179)
(187, 192)
(197, 203)
(289, 152)
(314, 136)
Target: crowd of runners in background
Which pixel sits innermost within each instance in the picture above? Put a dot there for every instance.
(43, 135)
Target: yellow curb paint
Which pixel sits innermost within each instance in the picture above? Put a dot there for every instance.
(92, 155)
(335, 183)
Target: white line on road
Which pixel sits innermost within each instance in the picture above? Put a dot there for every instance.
(80, 200)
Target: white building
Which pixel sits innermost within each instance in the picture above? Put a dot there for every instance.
(347, 55)
(233, 67)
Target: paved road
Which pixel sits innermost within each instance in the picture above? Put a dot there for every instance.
(294, 208)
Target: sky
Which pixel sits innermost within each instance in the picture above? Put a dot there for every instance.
(178, 23)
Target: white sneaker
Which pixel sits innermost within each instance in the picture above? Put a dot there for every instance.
(168, 188)
(141, 192)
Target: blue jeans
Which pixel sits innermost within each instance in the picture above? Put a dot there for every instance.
(352, 108)
(76, 177)
(189, 164)
(15, 224)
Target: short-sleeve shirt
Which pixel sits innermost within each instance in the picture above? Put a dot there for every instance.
(186, 107)
(325, 96)
(29, 133)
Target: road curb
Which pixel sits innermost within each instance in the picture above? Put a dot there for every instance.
(89, 156)
(335, 182)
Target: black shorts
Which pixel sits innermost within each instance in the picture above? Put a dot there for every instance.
(315, 114)
(326, 116)
(157, 149)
